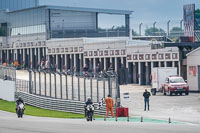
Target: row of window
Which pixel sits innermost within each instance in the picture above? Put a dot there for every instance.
(28, 30)
(105, 53)
(153, 56)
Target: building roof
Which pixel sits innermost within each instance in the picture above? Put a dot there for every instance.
(193, 51)
(82, 9)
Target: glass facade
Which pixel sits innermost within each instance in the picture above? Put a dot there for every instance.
(27, 22)
(17, 4)
(28, 30)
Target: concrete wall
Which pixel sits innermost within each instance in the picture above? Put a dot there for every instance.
(7, 90)
(192, 70)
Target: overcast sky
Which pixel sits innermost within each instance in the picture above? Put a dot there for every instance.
(145, 11)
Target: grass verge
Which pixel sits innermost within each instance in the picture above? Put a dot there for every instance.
(34, 111)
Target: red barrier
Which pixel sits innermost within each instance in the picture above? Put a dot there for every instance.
(122, 112)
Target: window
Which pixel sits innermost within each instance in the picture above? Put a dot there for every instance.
(27, 30)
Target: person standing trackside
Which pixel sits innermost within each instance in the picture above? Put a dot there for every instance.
(109, 106)
(146, 96)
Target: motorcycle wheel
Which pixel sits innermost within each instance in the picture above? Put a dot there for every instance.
(90, 116)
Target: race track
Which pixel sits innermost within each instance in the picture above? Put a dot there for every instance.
(9, 123)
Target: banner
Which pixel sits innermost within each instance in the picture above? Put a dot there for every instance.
(189, 11)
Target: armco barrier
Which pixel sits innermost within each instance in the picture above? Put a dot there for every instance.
(57, 104)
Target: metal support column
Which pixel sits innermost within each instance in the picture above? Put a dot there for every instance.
(66, 86)
(61, 85)
(97, 90)
(79, 88)
(84, 88)
(91, 88)
(72, 86)
(55, 85)
(50, 83)
(45, 83)
(39, 83)
(30, 81)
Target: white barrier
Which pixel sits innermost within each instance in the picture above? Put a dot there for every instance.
(7, 90)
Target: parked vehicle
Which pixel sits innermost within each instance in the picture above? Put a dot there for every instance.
(176, 85)
(89, 112)
(158, 77)
(20, 110)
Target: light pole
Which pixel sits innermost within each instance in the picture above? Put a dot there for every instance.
(140, 26)
(181, 23)
(168, 27)
(154, 26)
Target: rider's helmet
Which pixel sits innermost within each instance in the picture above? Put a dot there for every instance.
(19, 98)
(89, 99)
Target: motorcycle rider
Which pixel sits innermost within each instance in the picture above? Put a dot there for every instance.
(89, 102)
(19, 100)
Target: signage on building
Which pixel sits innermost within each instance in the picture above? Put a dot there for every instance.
(175, 56)
(122, 52)
(193, 71)
(95, 53)
(111, 52)
(167, 56)
(91, 53)
(126, 96)
(116, 52)
(105, 53)
(100, 53)
(128, 57)
(160, 56)
(85, 53)
(147, 56)
(154, 56)
(134, 57)
(141, 57)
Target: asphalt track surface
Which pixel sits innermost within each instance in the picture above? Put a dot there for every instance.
(9, 123)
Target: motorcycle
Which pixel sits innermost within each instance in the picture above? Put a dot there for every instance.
(89, 112)
(20, 110)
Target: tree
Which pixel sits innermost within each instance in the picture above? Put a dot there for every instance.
(134, 33)
(155, 32)
(176, 30)
(175, 33)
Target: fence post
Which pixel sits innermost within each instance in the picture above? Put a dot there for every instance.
(35, 81)
(79, 88)
(97, 90)
(109, 86)
(91, 88)
(84, 89)
(72, 86)
(45, 83)
(118, 91)
(50, 83)
(104, 88)
(55, 84)
(66, 86)
(39, 83)
(61, 85)
(30, 81)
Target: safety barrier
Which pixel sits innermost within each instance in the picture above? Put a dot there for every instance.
(7, 73)
(58, 104)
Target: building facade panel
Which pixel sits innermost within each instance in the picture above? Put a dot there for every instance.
(193, 64)
(18, 4)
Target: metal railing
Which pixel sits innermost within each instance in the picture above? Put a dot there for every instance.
(7, 73)
(58, 104)
(69, 87)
